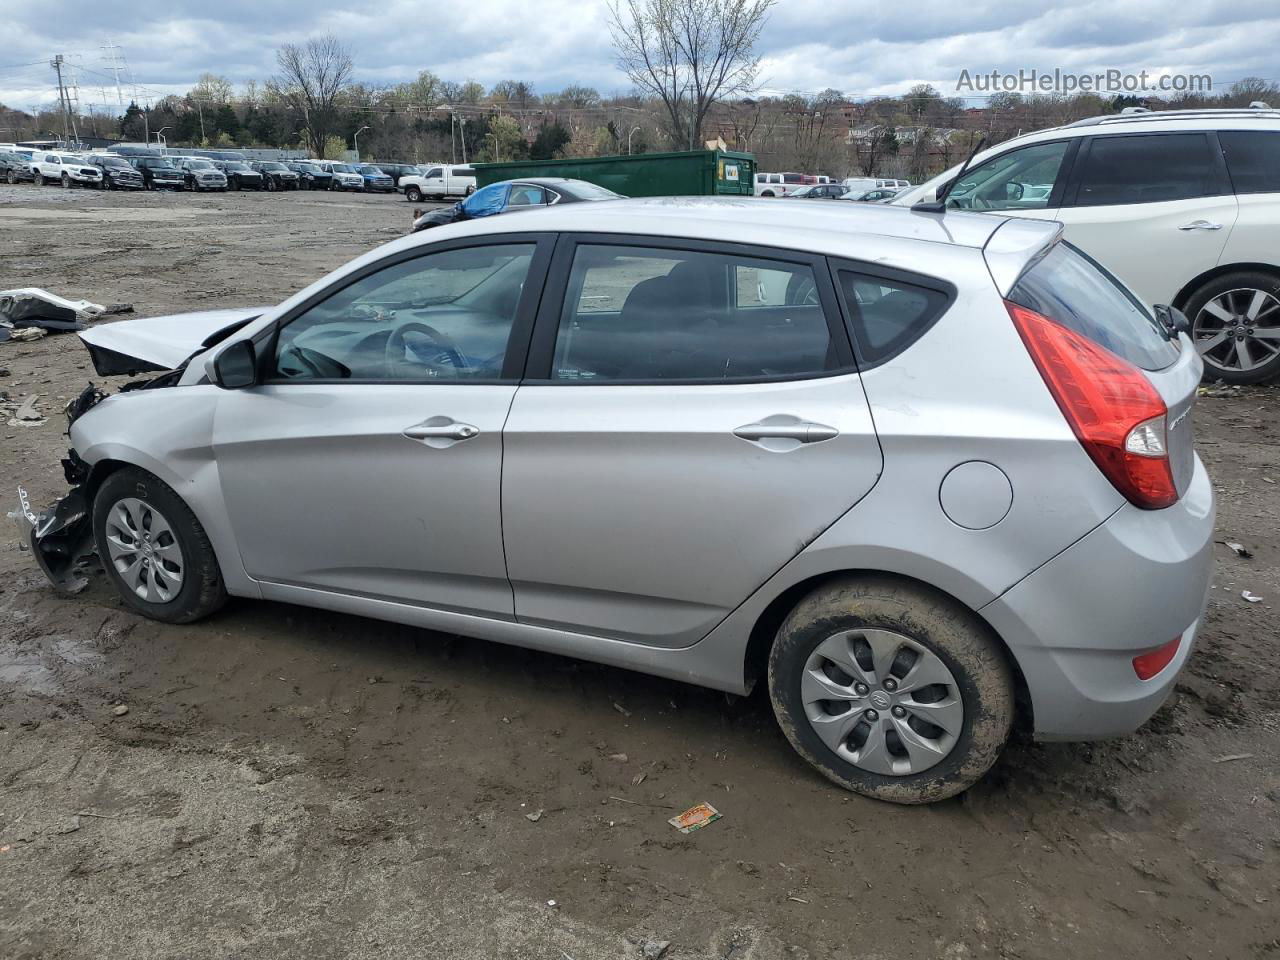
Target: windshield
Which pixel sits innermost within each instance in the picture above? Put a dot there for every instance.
(271, 165)
(367, 168)
(199, 164)
(72, 158)
(341, 168)
(239, 167)
(155, 164)
(591, 191)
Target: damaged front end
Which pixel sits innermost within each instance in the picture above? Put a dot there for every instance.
(60, 538)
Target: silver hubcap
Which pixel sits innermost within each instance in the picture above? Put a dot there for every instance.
(882, 701)
(144, 550)
(1239, 329)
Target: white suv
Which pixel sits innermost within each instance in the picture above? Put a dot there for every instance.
(67, 168)
(1183, 205)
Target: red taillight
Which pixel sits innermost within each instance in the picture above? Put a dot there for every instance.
(1115, 412)
(1147, 665)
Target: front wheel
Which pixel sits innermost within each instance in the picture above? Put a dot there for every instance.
(66, 182)
(413, 194)
(891, 690)
(154, 549)
(11, 176)
(1235, 325)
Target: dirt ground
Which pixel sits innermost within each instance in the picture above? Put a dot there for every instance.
(291, 783)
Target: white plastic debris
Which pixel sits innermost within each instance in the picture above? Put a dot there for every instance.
(1251, 597)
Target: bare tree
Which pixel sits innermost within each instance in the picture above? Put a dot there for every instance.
(313, 78)
(689, 53)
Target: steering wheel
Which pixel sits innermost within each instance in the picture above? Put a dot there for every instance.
(446, 353)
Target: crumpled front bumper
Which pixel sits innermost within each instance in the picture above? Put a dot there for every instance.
(60, 538)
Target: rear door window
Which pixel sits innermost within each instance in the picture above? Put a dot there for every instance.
(1253, 159)
(1151, 168)
(646, 314)
(1071, 288)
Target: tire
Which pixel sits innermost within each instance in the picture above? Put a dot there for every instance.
(767, 193)
(131, 494)
(470, 190)
(413, 194)
(1236, 293)
(271, 185)
(922, 631)
(11, 177)
(66, 182)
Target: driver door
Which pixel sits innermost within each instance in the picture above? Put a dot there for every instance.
(368, 460)
(1027, 182)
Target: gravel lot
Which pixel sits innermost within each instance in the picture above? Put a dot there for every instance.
(292, 783)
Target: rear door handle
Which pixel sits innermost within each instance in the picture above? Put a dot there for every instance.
(441, 431)
(1200, 225)
(786, 428)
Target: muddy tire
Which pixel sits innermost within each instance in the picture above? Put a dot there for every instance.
(140, 524)
(894, 657)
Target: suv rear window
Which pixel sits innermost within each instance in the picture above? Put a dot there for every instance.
(1071, 288)
(1253, 157)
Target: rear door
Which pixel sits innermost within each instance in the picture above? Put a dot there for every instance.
(1253, 162)
(1154, 208)
(690, 420)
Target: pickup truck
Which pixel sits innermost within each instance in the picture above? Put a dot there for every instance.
(445, 180)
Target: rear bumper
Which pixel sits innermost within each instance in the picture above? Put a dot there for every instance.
(1075, 624)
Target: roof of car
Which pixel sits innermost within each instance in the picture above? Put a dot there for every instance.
(755, 220)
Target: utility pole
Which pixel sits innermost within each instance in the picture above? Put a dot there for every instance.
(68, 125)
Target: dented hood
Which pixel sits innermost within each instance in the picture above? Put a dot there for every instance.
(161, 343)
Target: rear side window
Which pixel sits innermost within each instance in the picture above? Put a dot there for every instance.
(1071, 288)
(1253, 158)
(644, 314)
(887, 315)
(1147, 169)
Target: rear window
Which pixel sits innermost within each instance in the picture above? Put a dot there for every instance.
(888, 314)
(1253, 157)
(1071, 288)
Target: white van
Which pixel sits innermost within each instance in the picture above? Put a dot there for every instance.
(440, 181)
(1182, 205)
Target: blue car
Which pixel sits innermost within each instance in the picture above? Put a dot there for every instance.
(375, 179)
(511, 195)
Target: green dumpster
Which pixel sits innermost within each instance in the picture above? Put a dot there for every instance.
(683, 174)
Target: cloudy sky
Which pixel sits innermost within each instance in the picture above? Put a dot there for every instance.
(860, 48)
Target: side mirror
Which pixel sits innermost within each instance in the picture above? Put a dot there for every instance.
(1173, 319)
(236, 366)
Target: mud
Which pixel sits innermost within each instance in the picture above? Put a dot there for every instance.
(290, 783)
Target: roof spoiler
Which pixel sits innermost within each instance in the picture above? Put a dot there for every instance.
(1016, 246)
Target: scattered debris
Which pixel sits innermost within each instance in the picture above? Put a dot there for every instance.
(120, 711)
(27, 415)
(552, 904)
(618, 757)
(70, 825)
(695, 818)
(5, 848)
(31, 307)
(1251, 597)
(797, 900)
(621, 709)
(639, 778)
(533, 817)
(654, 949)
(1240, 549)
(1233, 756)
(1267, 480)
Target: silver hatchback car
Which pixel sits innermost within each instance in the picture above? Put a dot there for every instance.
(927, 474)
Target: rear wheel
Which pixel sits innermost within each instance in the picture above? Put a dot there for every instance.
(1235, 323)
(891, 690)
(154, 549)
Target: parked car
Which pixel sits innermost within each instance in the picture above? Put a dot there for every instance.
(159, 173)
(69, 169)
(240, 176)
(947, 480)
(397, 170)
(375, 180)
(769, 185)
(117, 172)
(439, 182)
(310, 176)
(819, 191)
(1181, 205)
(15, 167)
(514, 195)
(345, 176)
(201, 174)
(863, 184)
(879, 195)
(275, 175)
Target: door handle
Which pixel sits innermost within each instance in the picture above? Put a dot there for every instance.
(441, 431)
(786, 428)
(1200, 225)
